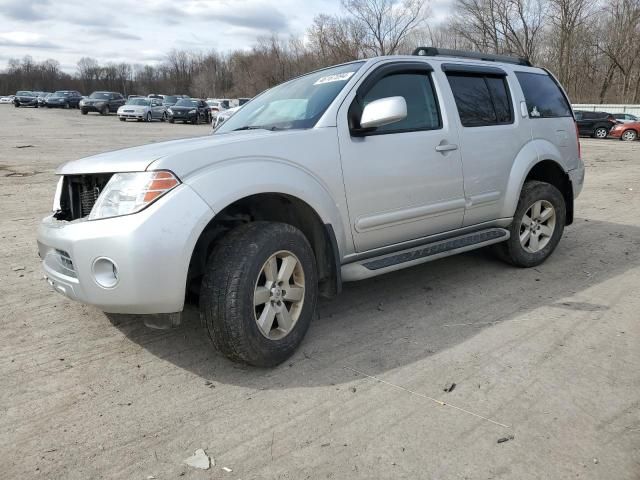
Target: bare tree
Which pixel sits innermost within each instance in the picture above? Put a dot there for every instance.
(386, 23)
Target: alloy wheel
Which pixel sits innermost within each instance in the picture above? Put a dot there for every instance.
(537, 226)
(601, 133)
(279, 295)
(629, 135)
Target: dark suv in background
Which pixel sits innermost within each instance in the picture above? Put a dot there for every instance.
(64, 99)
(102, 102)
(594, 124)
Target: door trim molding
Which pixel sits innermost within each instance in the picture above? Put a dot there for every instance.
(406, 215)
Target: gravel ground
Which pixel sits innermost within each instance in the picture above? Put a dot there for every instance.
(547, 358)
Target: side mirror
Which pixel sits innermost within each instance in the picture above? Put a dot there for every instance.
(383, 112)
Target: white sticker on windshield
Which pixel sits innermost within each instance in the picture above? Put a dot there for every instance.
(338, 77)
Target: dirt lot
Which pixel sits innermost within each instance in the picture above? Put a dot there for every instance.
(550, 355)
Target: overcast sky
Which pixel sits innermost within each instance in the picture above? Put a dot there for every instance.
(143, 31)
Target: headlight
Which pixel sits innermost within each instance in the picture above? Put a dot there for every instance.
(170, 111)
(81, 102)
(127, 193)
(191, 112)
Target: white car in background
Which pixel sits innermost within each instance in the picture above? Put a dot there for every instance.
(6, 99)
(221, 117)
(143, 109)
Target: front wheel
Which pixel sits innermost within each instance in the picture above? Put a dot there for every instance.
(259, 293)
(84, 111)
(196, 119)
(537, 225)
(171, 120)
(148, 117)
(600, 132)
(67, 106)
(164, 117)
(122, 119)
(629, 135)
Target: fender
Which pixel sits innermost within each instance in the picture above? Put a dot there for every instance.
(219, 187)
(532, 153)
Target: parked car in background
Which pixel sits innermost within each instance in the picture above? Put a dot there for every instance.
(143, 109)
(192, 110)
(221, 117)
(102, 102)
(594, 124)
(170, 100)
(215, 106)
(7, 99)
(64, 99)
(135, 96)
(625, 117)
(156, 96)
(42, 98)
(25, 98)
(627, 131)
(242, 101)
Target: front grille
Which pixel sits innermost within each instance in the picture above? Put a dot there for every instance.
(87, 198)
(79, 193)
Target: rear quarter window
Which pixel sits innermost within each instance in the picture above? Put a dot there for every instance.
(481, 100)
(543, 96)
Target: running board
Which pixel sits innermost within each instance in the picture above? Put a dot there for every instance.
(371, 267)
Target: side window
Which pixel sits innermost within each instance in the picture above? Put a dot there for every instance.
(481, 100)
(543, 96)
(417, 90)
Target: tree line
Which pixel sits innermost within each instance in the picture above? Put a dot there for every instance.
(593, 48)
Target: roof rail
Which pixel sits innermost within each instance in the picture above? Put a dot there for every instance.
(444, 52)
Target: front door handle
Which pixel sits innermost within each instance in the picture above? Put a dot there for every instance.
(447, 147)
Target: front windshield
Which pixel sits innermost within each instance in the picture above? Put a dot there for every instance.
(24, 93)
(170, 99)
(101, 95)
(62, 94)
(138, 101)
(298, 103)
(185, 102)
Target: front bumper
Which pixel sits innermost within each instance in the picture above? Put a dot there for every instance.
(93, 108)
(26, 103)
(187, 117)
(151, 250)
(135, 115)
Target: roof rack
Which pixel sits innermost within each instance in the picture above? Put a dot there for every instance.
(445, 52)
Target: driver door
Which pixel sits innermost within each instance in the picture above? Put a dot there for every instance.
(403, 180)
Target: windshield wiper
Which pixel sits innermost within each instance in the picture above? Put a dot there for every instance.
(257, 127)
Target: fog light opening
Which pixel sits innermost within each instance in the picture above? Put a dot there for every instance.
(105, 272)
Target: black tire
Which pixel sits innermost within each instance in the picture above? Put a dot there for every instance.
(629, 135)
(226, 297)
(148, 118)
(35, 106)
(16, 104)
(84, 111)
(600, 132)
(164, 117)
(104, 111)
(512, 250)
(196, 119)
(171, 120)
(122, 119)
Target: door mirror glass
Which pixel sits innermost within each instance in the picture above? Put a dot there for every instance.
(383, 112)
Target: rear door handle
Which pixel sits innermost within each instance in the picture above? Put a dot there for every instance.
(447, 147)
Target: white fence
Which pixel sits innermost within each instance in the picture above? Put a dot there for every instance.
(608, 107)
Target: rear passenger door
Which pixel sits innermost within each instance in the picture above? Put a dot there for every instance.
(403, 180)
(490, 136)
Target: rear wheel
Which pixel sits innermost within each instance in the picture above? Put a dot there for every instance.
(537, 225)
(629, 135)
(600, 132)
(259, 293)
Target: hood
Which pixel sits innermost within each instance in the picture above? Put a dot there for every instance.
(182, 109)
(135, 108)
(186, 156)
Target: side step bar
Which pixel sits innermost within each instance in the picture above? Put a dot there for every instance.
(371, 267)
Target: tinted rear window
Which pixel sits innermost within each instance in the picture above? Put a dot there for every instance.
(544, 98)
(481, 100)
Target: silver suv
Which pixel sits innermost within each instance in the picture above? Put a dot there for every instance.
(342, 174)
